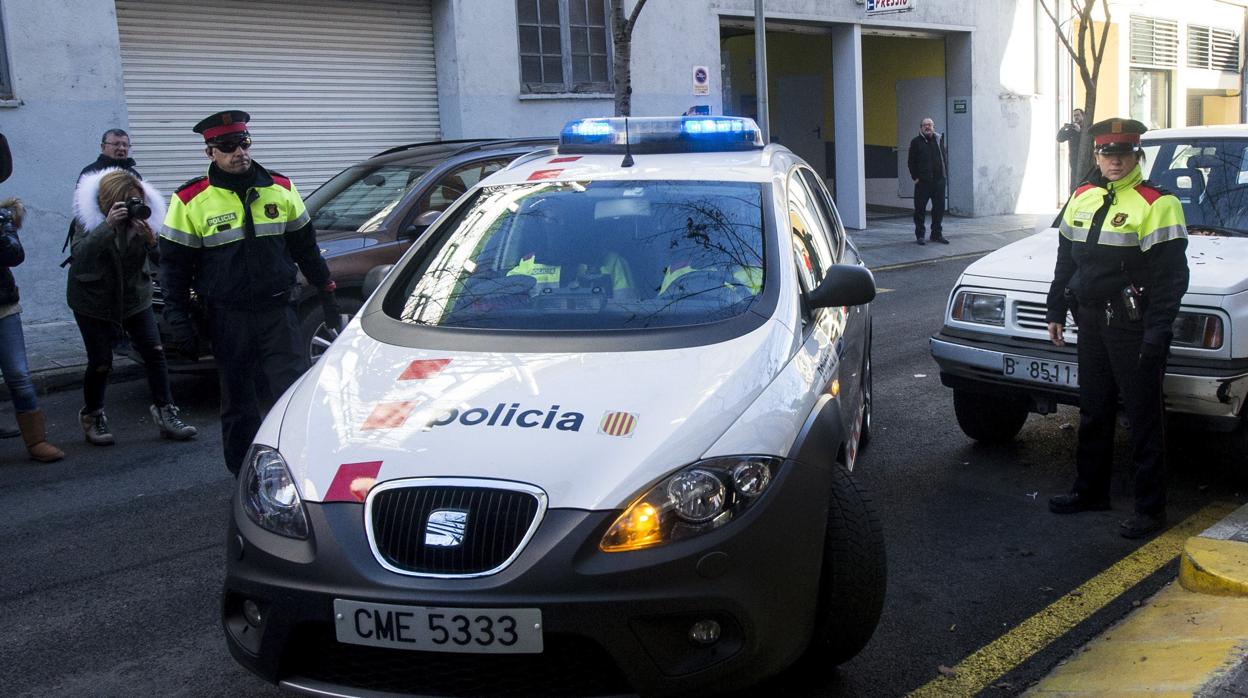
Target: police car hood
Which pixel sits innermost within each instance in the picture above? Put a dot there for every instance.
(1216, 263)
(590, 429)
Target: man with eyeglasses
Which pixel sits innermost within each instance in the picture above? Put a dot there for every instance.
(238, 235)
(114, 152)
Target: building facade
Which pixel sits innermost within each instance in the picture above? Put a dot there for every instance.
(330, 82)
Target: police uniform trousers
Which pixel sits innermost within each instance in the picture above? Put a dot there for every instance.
(258, 357)
(1109, 367)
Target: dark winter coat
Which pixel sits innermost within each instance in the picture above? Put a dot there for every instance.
(924, 158)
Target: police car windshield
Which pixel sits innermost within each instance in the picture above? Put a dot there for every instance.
(592, 255)
(360, 198)
(1210, 178)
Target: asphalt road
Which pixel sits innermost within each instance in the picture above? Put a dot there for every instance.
(111, 560)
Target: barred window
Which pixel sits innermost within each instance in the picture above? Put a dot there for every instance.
(1154, 42)
(1214, 49)
(565, 45)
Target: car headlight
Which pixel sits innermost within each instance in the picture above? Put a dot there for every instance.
(270, 497)
(693, 500)
(1198, 330)
(982, 308)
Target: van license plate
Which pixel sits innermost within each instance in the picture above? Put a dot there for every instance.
(1039, 371)
(430, 629)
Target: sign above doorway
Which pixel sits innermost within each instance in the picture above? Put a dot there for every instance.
(881, 7)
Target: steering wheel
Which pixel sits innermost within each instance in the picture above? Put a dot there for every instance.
(707, 284)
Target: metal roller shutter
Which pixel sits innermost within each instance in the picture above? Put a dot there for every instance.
(327, 83)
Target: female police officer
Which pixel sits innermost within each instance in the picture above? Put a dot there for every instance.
(1122, 269)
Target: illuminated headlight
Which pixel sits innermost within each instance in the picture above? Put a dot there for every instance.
(270, 497)
(1198, 330)
(696, 499)
(982, 308)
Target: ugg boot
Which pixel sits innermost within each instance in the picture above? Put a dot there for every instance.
(95, 427)
(34, 433)
(171, 425)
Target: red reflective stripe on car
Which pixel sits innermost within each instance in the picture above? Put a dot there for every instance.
(566, 158)
(423, 368)
(544, 174)
(353, 481)
(388, 415)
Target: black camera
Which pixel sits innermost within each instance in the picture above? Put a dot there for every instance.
(138, 210)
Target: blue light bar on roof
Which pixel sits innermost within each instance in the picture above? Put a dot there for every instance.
(660, 134)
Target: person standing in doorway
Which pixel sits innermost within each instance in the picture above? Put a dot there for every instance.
(238, 236)
(928, 167)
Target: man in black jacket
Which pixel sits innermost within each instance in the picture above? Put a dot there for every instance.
(114, 152)
(928, 167)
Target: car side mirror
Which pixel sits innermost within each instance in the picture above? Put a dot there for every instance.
(423, 221)
(374, 277)
(6, 159)
(844, 284)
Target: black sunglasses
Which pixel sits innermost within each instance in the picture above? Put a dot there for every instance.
(245, 144)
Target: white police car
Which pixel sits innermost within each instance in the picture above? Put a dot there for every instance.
(994, 349)
(591, 435)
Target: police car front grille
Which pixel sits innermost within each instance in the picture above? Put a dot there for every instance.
(412, 533)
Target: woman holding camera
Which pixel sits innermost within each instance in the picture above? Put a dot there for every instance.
(109, 284)
(30, 419)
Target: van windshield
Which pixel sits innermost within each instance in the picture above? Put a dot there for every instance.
(592, 255)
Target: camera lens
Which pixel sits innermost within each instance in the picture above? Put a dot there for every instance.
(137, 209)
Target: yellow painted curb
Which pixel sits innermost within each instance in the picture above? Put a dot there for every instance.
(1218, 567)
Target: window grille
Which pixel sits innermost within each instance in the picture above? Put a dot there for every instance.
(1154, 42)
(1214, 49)
(565, 45)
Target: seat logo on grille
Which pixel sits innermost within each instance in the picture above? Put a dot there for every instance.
(445, 528)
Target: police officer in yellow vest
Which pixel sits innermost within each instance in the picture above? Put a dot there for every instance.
(1122, 269)
(236, 236)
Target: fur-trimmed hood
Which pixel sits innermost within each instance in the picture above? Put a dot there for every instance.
(87, 210)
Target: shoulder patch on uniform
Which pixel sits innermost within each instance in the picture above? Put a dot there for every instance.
(1084, 188)
(191, 189)
(1151, 192)
(280, 179)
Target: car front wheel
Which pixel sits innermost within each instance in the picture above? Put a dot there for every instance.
(317, 337)
(851, 586)
(989, 418)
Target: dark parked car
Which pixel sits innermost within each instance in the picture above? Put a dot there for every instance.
(370, 213)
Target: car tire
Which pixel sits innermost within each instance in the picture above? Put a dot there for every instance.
(989, 419)
(316, 339)
(853, 580)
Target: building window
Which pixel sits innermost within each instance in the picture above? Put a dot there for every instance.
(1214, 49)
(6, 82)
(1150, 97)
(565, 45)
(1154, 42)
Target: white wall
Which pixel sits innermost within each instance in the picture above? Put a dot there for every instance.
(479, 74)
(65, 62)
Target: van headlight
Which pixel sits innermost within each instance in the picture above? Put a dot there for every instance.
(698, 498)
(981, 308)
(1197, 330)
(270, 497)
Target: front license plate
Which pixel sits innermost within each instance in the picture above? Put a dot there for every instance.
(474, 630)
(1039, 371)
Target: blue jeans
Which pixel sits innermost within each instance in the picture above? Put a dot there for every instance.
(13, 364)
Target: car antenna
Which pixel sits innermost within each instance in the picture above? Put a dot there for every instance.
(628, 151)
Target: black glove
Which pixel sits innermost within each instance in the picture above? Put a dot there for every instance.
(330, 312)
(1152, 356)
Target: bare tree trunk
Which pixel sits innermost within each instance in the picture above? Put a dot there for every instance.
(1086, 51)
(622, 64)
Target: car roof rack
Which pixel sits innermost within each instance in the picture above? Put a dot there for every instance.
(471, 144)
